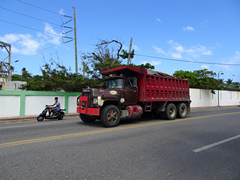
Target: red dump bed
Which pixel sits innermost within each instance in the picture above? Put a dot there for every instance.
(155, 86)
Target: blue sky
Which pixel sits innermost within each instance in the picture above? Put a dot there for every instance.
(194, 31)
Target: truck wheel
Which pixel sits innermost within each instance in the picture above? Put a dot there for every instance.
(182, 110)
(86, 118)
(170, 111)
(110, 116)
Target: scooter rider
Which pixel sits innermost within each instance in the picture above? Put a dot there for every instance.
(55, 106)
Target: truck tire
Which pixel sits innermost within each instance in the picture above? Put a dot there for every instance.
(170, 111)
(110, 116)
(86, 118)
(182, 110)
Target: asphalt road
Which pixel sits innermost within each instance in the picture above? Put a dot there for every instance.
(205, 145)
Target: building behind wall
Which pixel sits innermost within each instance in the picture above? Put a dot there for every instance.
(12, 85)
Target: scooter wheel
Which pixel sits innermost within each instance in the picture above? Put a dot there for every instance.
(40, 118)
(60, 117)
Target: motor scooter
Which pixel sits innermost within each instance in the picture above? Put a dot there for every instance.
(56, 114)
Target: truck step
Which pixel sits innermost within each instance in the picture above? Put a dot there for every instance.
(148, 107)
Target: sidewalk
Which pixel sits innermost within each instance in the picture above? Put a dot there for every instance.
(76, 114)
(29, 117)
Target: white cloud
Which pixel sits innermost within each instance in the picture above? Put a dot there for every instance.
(204, 50)
(50, 35)
(176, 55)
(235, 59)
(188, 28)
(23, 43)
(177, 50)
(61, 12)
(26, 44)
(159, 20)
(158, 50)
(152, 62)
(10, 38)
(205, 66)
(135, 48)
(155, 63)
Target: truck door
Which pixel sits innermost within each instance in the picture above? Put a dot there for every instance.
(131, 91)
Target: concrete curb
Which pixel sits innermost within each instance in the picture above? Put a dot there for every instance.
(207, 107)
(29, 117)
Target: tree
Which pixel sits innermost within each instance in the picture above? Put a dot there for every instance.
(17, 77)
(236, 84)
(229, 81)
(106, 56)
(202, 79)
(56, 77)
(147, 65)
(222, 85)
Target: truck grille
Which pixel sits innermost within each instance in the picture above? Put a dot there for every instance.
(86, 94)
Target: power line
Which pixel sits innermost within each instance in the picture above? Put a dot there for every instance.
(40, 8)
(27, 27)
(84, 34)
(222, 64)
(29, 16)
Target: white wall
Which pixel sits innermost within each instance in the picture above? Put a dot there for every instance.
(72, 104)
(204, 98)
(9, 106)
(35, 104)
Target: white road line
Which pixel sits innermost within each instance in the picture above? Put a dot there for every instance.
(215, 144)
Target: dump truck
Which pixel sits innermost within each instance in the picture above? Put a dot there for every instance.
(133, 92)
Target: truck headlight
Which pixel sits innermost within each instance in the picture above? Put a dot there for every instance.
(95, 101)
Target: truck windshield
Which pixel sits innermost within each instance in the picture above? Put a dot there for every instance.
(114, 83)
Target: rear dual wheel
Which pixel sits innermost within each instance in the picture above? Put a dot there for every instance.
(171, 111)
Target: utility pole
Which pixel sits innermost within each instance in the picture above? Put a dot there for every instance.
(83, 69)
(129, 51)
(5, 68)
(75, 38)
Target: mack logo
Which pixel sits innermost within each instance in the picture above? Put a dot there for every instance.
(113, 92)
